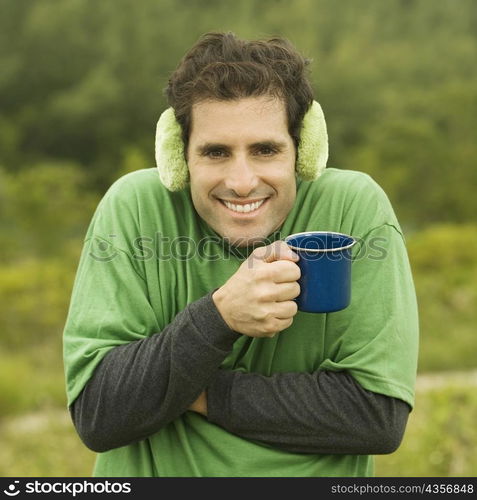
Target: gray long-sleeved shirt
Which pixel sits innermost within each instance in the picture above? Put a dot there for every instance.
(140, 387)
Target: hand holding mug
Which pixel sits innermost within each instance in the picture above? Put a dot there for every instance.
(258, 300)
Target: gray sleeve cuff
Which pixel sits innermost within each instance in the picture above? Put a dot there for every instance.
(210, 324)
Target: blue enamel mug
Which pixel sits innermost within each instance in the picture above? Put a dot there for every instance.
(325, 264)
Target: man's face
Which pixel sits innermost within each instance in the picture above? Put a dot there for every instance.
(242, 166)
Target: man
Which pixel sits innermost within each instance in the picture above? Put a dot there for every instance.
(184, 351)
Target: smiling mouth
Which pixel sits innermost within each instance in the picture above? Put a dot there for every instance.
(244, 208)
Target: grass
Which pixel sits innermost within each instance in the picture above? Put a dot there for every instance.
(31, 379)
(43, 444)
(441, 436)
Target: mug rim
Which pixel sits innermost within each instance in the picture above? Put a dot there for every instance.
(320, 249)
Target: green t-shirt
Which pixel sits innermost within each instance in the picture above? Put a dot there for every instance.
(147, 254)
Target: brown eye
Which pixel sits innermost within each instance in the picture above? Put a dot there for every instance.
(215, 153)
(266, 151)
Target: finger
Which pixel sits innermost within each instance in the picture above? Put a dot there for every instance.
(278, 250)
(285, 311)
(277, 325)
(287, 291)
(283, 271)
(281, 324)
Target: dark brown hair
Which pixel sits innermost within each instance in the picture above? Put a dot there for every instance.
(221, 66)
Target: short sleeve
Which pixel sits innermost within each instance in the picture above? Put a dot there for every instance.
(109, 304)
(376, 337)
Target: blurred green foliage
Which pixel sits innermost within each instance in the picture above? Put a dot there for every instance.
(80, 92)
(82, 82)
(45, 210)
(48, 447)
(31, 380)
(441, 436)
(444, 263)
(34, 296)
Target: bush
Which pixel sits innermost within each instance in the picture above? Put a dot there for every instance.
(44, 208)
(444, 262)
(15, 377)
(31, 380)
(34, 299)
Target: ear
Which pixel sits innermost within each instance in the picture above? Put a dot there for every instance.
(170, 155)
(312, 152)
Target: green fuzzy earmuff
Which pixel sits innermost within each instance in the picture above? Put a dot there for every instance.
(174, 173)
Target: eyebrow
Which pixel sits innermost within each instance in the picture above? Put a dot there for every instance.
(272, 144)
(209, 146)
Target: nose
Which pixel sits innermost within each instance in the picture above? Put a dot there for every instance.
(241, 177)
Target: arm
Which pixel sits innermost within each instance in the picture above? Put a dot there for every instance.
(140, 387)
(322, 412)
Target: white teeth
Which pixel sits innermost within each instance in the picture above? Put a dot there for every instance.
(249, 207)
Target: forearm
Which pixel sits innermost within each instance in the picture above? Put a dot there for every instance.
(140, 387)
(322, 412)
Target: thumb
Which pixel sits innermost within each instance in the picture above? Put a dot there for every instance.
(278, 250)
